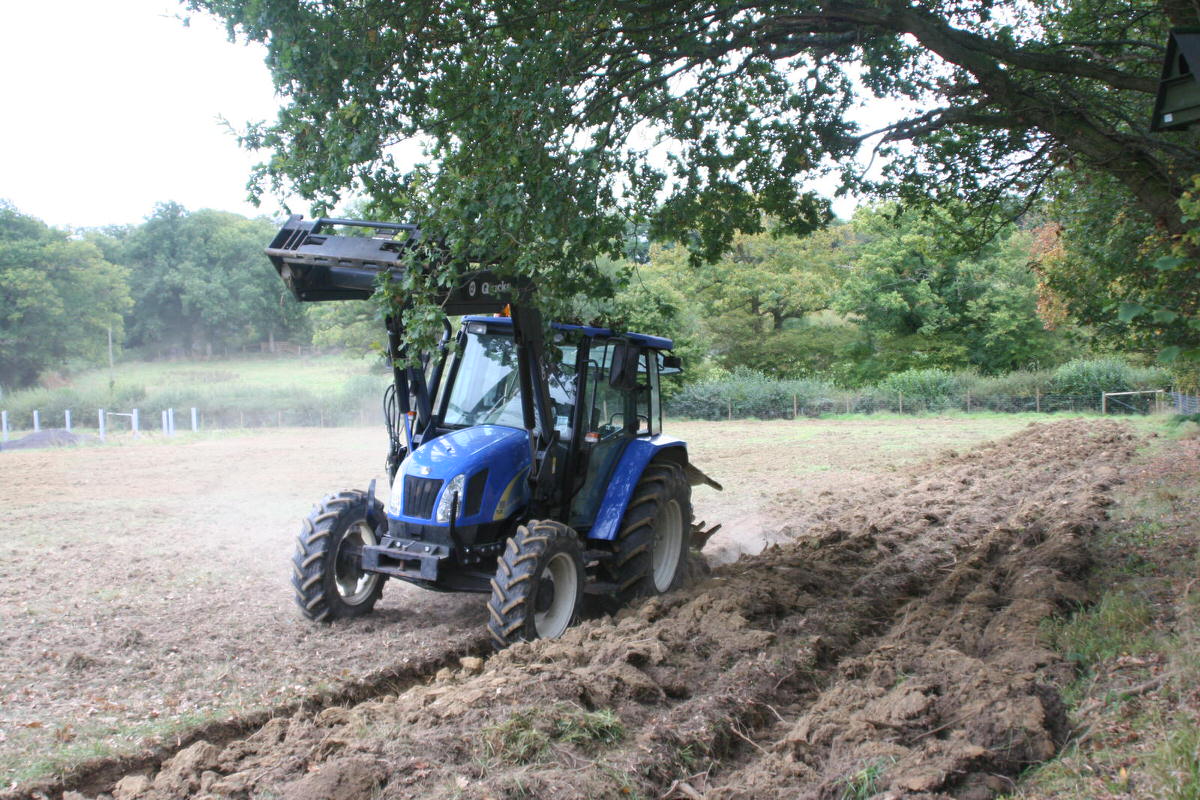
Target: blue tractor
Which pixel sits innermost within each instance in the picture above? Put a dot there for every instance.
(526, 462)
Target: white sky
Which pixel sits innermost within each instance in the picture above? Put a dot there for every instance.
(112, 106)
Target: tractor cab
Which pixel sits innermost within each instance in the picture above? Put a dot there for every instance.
(526, 461)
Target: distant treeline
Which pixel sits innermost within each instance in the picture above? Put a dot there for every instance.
(887, 293)
(182, 283)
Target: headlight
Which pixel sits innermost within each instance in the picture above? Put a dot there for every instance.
(454, 488)
(393, 507)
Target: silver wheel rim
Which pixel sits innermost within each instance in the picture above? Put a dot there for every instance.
(560, 571)
(668, 536)
(353, 585)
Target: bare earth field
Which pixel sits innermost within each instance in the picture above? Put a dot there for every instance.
(887, 641)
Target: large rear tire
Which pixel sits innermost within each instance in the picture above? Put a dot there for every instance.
(327, 569)
(654, 539)
(538, 587)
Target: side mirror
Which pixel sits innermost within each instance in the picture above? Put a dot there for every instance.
(623, 372)
(671, 365)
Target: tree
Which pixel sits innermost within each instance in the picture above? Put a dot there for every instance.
(750, 305)
(1109, 266)
(539, 117)
(59, 299)
(200, 280)
(927, 300)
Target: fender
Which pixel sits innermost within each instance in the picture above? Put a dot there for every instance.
(638, 453)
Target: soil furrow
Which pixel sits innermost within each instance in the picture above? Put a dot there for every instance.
(98, 776)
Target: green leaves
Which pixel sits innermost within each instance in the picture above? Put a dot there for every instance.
(1169, 263)
(1127, 312)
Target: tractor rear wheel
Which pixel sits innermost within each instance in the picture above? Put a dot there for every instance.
(538, 586)
(655, 535)
(327, 569)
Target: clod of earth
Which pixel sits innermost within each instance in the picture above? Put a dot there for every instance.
(51, 437)
(891, 648)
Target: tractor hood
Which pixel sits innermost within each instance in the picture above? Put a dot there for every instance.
(484, 464)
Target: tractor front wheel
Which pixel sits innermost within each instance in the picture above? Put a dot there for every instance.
(538, 586)
(327, 569)
(652, 543)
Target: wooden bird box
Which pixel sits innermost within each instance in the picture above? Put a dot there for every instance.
(1177, 105)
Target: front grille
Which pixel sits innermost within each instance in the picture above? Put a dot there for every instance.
(419, 496)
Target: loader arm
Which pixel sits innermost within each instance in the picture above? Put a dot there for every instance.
(318, 266)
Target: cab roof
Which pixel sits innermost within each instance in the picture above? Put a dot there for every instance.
(653, 342)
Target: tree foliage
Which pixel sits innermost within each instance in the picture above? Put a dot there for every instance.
(199, 281)
(549, 126)
(928, 300)
(1112, 267)
(59, 299)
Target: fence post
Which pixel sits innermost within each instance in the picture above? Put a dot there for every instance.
(901, 402)
(37, 422)
(730, 409)
(195, 427)
(3, 426)
(1104, 402)
(133, 422)
(164, 422)
(795, 409)
(100, 423)
(171, 420)
(1037, 398)
(67, 419)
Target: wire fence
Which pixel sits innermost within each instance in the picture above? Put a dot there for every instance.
(795, 407)
(1185, 403)
(103, 423)
(169, 422)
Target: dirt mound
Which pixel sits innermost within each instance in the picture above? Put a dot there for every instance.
(891, 649)
(50, 437)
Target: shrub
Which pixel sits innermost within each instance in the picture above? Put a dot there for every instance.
(1093, 376)
(751, 394)
(1150, 377)
(1021, 383)
(933, 386)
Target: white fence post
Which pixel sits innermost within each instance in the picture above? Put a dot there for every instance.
(100, 423)
(37, 422)
(171, 420)
(67, 419)
(134, 422)
(4, 426)
(164, 421)
(195, 427)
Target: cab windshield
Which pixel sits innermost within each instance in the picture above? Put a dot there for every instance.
(487, 389)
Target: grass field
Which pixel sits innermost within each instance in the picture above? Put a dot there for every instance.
(252, 390)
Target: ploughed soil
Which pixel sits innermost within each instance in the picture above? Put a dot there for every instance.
(888, 647)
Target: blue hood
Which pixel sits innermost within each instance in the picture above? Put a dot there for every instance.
(500, 450)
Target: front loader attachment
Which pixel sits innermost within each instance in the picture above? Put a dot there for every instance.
(319, 266)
